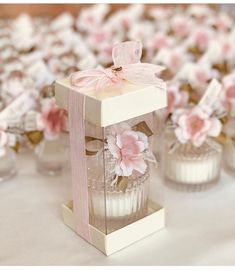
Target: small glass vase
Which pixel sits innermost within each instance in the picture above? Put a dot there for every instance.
(229, 155)
(7, 164)
(116, 206)
(191, 168)
(51, 157)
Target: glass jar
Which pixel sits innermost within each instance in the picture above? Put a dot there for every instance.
(118, 198)
(118, 203)
(51, 156)
(7, 164)
(189, 167)
(229, 155)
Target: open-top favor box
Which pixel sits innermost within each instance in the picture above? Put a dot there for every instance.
(112, 130)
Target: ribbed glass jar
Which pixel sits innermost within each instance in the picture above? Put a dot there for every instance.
(229, 155)
(51, 157)
(111, 208)
(192, 168)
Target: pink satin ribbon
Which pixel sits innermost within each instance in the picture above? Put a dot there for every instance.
(127, 67)
(78, 164)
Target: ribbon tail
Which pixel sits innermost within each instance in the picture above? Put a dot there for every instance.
(78, 164)
(142, 74)
(126, 53)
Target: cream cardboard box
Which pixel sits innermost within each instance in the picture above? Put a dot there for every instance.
(102, 109)
(119, 239)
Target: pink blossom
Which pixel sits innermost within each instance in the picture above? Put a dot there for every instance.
(176, 98)
(127, 146)
(199, 76)
(176, 60)
(180, 26)
(223, 22)
(156, 42)
(227, 47)
(195, 125)
(52, 120)
(91, 18)
(173, 59)
(201, 37)
(228, 93)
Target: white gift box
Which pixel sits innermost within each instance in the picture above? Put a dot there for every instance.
(109, 210)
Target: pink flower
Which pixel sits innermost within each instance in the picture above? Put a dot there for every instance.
(161, 40)
(176, 60)
(52, 120)
(228, 93)
(127, 147)
(223, 22)
(199, 76)
(227, 47)
(201, 37)
(176, 98)
(195, 125)
(92, 17)
(181, 25)
(173, 59)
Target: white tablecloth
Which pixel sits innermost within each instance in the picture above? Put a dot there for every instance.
(200, 227)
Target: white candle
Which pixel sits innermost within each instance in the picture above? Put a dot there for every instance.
(118, 204)
(192, 171)
(191, 166)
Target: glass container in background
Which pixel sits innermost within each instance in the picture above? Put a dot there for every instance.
(191, 168)
(52, 151)
(229, 148)
(52, 156)
(229, 155)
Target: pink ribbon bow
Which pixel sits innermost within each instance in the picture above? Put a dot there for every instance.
(127, 67)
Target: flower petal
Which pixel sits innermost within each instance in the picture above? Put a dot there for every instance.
(112, 147)
(139, 164)
(216, 127)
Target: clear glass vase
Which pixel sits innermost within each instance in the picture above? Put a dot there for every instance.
(118, 206)
(229, 155)
(192, 168)
(7, 164)
(51, 156)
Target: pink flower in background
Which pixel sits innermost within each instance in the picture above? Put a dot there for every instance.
(52, 120)
(176, 98)
(195, 125)
(127, 147)
(228, 93)
(160, 40)
(223, 22)
(199, 76)
(181, 25)
(201, 37)
(227, 47)
(92, 17)
(176, 60)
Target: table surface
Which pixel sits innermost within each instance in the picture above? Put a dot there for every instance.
(200, 227)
